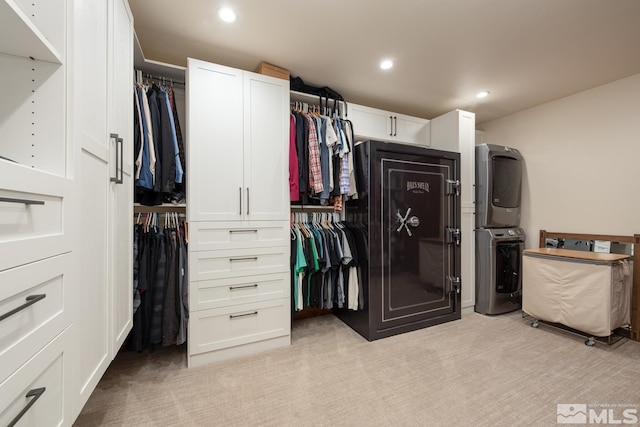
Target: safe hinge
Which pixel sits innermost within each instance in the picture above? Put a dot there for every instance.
(454, 284)
(453, 235)
(452, 187)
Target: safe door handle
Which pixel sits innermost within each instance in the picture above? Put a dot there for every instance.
(31, 299)
(35, 393)
(22, 201)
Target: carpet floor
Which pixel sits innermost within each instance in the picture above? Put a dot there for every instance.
(477, 371)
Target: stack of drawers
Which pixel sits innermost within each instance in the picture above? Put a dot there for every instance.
(239, 289)
(35, 295)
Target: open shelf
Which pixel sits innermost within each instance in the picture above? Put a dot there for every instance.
(22, 37)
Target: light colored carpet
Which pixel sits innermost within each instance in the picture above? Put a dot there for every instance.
(477, 371)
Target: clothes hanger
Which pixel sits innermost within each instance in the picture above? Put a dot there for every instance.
(302, 227)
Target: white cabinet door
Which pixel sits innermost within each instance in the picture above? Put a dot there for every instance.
(370, 122)
(121, 123)
(455, 131)
(410, 129)
(102, 132)
(266, 129)
(468, 257)
(215, 134)
(90, 135)
(237, 131)
(384, 125)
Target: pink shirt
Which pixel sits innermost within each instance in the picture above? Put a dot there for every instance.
(294, 185)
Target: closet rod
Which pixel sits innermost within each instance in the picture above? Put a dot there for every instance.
(311, 208)
(181, 209)
(165, 79)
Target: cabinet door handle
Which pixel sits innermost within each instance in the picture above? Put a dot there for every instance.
(118, 179)
(244, 231)
(249, 258)
(391, 122)
(121, 142)
(23, 201)
(395, 125)
(247, 200)
(31, 299)
(255, 285)
(35, 393)
(115, 137)
(240, 199)
(235, 316)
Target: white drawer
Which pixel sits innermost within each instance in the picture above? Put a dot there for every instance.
(45, 370)
(216, 293)
(237, 325)
(207, 236)
(34, 215)
(208, 265)
(23, 333)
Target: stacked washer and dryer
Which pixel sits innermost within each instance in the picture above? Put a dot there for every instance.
(499, 238)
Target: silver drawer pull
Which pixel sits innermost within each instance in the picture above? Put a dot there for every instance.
(250, 258)
(235, 316)
(35, 393)
(255, 285)
(31, 299)
(22, 201)
(243, 231)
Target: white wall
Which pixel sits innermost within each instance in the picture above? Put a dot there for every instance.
(582, 161)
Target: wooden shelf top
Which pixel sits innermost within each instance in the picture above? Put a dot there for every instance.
(584, 255)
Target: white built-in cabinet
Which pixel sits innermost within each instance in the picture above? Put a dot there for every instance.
(372, 123)
(237, 168)
(36, 215)
(455, 131)
(238, 212)
(101, 131)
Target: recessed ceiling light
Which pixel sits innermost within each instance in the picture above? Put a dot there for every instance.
(227, 14)
(482, 94)
(386, 64)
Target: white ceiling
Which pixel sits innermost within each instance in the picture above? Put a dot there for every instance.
(526, 52)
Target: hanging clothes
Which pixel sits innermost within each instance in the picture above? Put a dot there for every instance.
(323, 146)
(294, 187)
(160, 310)
(326, 259)
(159, 148)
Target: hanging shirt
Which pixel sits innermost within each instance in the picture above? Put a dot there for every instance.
(301, 265)
(294, 188)
(149, 133)
(138, 119)
(176, 121)
(345, 187)
(315, 173)
(146, 174)
(348, 131)
(331, 140)
(174, 139)
(325, 160)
